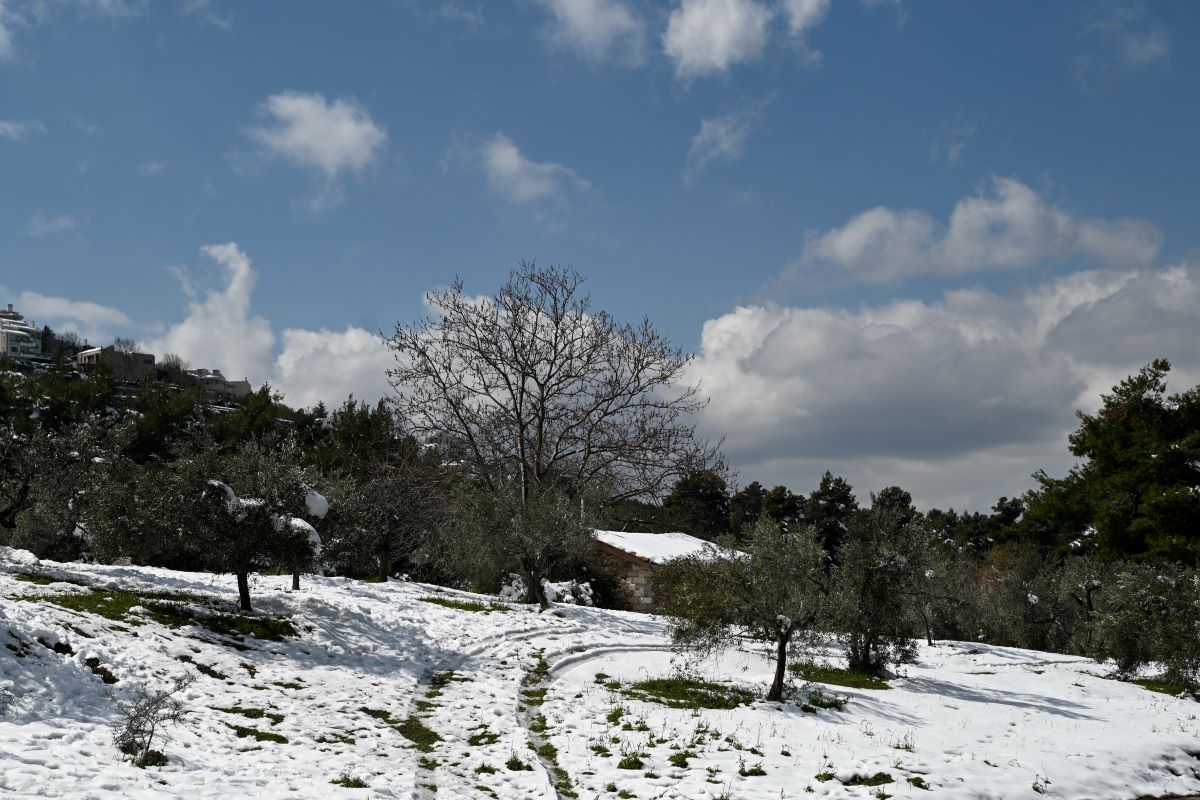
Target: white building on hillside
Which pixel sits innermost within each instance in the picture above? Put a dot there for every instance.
(19, 340)
(217, 384)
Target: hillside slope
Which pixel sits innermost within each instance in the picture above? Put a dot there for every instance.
(373, 684)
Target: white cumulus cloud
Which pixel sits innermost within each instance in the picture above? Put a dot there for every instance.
(1009, 227)
(328, 366)
(329, 137)
(520, 179)
(707, 37)
(93, 321)
(598, 30)
(220, 330)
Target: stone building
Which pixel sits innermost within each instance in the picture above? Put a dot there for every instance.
(124, 365)
(634, 556)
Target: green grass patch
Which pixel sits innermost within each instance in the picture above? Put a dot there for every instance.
(172, 610)
(680, 759)
(534, 697)
(878, 779)
(515, 764)
(257, 735)
(251, 713)
(689, 693)
(1162, 687)
(350, 781)
(485, 769)
(835, 676)
(465, 605)
(919, 782)
(482, 738)
(631, 761)
(419, 734)
(100, 670)
(751, 772)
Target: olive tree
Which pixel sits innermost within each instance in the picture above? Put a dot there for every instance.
(773, 592)
(531, 391)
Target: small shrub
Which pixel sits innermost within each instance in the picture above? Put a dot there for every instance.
(515, 764)
(350, 781)
(749, 772)
(142, 717)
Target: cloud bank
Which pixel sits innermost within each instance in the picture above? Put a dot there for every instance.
(1008, 226)
(958, 399)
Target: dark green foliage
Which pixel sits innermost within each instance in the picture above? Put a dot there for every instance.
(1141, 455)
(350, 781)
(1149, 615)
(774, 594)
(880, 562)
(828, 512)
(753, 502)
(698, 503)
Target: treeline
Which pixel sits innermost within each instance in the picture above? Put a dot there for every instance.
(523, 421)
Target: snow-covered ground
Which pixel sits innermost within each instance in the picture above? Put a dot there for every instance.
(487, 691)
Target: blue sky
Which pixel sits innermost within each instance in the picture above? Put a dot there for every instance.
(906, 240)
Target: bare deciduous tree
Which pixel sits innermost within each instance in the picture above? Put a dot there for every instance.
(531, 391)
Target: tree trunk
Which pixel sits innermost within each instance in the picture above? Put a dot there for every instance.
(243, 579)
(385, 565)
(296, 580)
(534, 584)
(781, 647)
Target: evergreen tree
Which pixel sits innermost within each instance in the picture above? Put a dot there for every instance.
(829, 510)
(698, 504)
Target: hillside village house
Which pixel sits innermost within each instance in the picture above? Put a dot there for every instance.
(124, 365)
(217, 384)
(634, 557)
(19, 340)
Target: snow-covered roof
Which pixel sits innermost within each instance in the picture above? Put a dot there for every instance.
(657, 548)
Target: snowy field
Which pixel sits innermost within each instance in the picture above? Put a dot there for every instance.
(417, 699)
